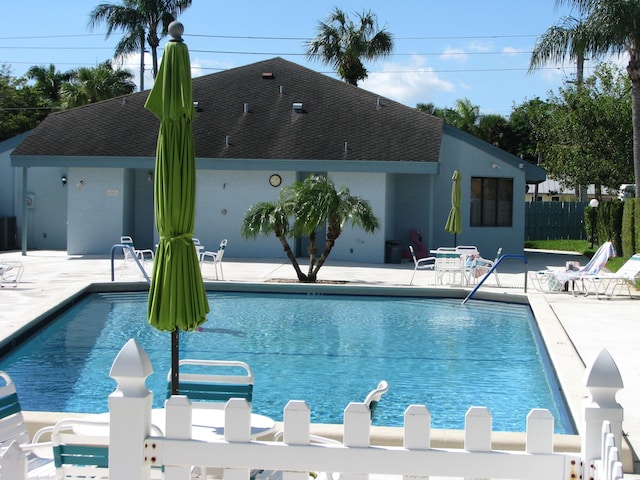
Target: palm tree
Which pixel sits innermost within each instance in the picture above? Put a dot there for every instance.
(140, 21)
(342, 44)
(605, 27)
(90, 85)
(48, 81)
(302, 208)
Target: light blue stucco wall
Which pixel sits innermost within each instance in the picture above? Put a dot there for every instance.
(97, 200)
(474, 162)
(46, 221)
(354, 244)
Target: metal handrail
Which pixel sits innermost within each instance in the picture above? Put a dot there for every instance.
(133, 255)
(495, 265)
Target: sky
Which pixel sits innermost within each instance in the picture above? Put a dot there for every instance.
(443, 50)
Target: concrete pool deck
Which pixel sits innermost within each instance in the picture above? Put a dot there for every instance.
(576, 328)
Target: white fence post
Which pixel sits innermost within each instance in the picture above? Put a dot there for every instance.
(603, 381)
(477, 429)
(417, 431)
(539, 431)
(130, 414)
(177, 425)
(357, 432)
(237, 429)
(297, 423)
(297, 431)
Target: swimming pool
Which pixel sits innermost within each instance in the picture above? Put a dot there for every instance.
(328, 350)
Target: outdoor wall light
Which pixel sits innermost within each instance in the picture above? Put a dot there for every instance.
(80, 185)
(150, 177)
(495, 166)
(63, 179)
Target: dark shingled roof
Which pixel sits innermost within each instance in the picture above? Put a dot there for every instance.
(333, 113)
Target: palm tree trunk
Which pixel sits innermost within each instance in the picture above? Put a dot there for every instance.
(292, 258)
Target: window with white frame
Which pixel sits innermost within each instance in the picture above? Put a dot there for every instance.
(491, 202)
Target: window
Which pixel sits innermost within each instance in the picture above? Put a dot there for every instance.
(491, 202)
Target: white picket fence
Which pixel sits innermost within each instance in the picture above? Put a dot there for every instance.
(132, 451)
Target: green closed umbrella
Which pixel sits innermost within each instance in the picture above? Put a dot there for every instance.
(177, 297)
(454, 223)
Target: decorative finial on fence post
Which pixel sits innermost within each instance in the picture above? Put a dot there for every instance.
(603, 381)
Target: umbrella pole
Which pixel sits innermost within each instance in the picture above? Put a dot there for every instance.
(175, 354)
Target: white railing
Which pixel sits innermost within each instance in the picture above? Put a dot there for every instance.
(132, 451)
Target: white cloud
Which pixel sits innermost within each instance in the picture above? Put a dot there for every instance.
(509, 51)
(457, 54)
(408, 84)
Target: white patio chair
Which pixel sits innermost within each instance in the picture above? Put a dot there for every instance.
(81, 449)
(142, 255)
(215, 258)
(371, 401)
(11, 273)
(39, 454)
(211, 383)
(449, 264)
(427, 263)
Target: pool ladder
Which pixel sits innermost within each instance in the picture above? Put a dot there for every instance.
(495, 265)
(133, 255)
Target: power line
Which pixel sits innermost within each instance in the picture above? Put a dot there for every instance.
(250, 37)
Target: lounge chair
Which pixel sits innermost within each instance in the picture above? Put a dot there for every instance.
(371, 401)
(625, 276)
(39, 454)
(81, 449)
(553, 281)
(211, 383)
(426, 263)
(142, 255)
(10, 273)
(215, 257)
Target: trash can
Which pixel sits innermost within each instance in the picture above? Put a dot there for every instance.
(393, 252)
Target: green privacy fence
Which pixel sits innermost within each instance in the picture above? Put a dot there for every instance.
(554, 220)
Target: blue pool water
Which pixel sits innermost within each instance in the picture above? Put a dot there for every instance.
(328, 350)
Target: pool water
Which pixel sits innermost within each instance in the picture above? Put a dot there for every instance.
(328, 350)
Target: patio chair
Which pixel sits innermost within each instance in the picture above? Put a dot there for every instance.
(81, 449)
(11, 273)
(39, 454)
(142, 255)
(477, 267)
(449, 264)
(215, 257)
(427, 263)
(553, 281)
(211, 383)
(625, 276)
(371, 401)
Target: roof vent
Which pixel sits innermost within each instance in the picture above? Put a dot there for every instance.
(378, 103)
(281, 89)
(227, 140)
(267, 76)
(346, 146)
(297, 107)
(246, 108)
(196, 105)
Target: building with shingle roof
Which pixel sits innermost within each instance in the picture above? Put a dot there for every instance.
(258, 128)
